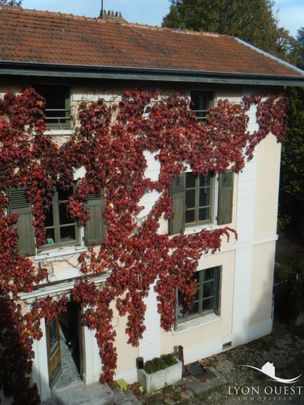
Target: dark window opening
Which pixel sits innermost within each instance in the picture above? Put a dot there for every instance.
(58, 108)
(200, 103)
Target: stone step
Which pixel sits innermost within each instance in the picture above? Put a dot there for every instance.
(79, 394)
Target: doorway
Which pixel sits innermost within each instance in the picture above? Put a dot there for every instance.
(64, 346)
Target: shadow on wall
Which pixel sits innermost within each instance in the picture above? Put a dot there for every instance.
(15, 369)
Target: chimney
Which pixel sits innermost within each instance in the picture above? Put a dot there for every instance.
(111, 15)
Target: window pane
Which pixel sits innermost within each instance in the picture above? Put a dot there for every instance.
(190, 180)
(209, 274)
(49, 221)
(204, 197)
(181, 308)
(63, 195)
(53, 335)
(193, 309)
(208, 289)
(64, 217)
(50, 236)
(204, 181)
(189, 216)
(207, 304)
(190, 198)
(204, 213)
(67, 233)
(195, 101)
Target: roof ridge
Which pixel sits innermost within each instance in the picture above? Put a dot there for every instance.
(176, 30)
(98, 19)
(47, 12)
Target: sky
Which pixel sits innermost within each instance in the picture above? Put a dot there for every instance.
(290, 12)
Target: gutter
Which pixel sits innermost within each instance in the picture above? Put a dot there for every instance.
(148, 74)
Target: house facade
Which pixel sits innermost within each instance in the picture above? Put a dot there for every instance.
(71, 59)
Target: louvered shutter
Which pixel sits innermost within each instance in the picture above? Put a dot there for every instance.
(177, 220)
(225, 198)
(95, 227)
(19, 205)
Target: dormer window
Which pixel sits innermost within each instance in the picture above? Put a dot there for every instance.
(58, 106)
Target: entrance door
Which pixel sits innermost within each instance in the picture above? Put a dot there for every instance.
(53, 348)
(71, 334)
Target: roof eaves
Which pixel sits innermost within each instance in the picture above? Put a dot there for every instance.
(141, 73)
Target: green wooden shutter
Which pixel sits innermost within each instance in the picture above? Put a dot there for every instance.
(177, 220)
(95, 227)
(217, 290)
(225, 198)
(19, 205)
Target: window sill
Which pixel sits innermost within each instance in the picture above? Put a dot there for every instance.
(59, 252)
(197, 228)
(59, 132)
(195, 323)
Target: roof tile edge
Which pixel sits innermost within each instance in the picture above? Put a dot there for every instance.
(270, 56)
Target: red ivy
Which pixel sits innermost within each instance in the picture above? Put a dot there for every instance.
(109, 144)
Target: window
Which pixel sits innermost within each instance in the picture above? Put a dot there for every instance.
(199, 198)
(206, 299)
(201, 101)
(60, 227)
(58, 108)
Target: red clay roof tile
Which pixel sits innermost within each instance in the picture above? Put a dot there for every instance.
(54, 38)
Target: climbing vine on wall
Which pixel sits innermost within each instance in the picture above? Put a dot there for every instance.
(109, 143)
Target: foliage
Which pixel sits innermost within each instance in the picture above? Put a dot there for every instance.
(291, 297)
(252, 21)
(160, 363)
(287, 46)
(292, 169)
(300, 54)
(13, 3)
(293, 149)
(109, 144)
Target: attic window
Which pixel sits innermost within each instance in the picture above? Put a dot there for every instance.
(201, 101)
(58, 106)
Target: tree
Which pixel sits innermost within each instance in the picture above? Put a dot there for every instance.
(13, 3)
(300, 54)
(287, 47)
(292, 169)
(252, 21)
